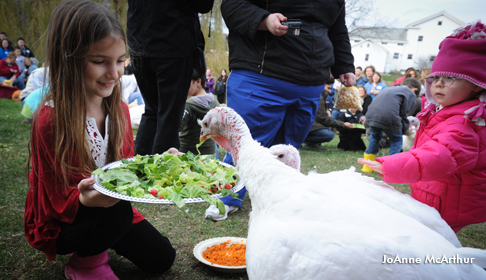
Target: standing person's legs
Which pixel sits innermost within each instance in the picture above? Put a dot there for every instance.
(164, 84)
(374, 143)
(146, 80)
(276, 112)
(373, 147)
(173, 81)
(300, 115)
(396, 141)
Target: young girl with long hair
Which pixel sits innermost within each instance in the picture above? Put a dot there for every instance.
(82, 124)
(446, 166)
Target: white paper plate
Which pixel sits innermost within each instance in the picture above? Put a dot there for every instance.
(203, 245)
(97, 186)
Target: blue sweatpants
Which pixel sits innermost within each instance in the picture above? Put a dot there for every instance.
(276, 111)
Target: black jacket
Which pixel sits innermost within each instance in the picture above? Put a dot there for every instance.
(164, 29)
(27, 52)
(322, 46)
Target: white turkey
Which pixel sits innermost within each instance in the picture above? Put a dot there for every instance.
(377, 190)
(287, 154)
(302, 227)
(412, 131)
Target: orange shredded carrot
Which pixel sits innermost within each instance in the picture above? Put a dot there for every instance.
(226, 254)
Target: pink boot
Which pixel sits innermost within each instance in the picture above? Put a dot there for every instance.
(88, 268)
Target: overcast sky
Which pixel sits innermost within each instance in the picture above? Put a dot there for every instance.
(399, 13)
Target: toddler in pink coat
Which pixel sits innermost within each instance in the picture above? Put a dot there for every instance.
(446, 167)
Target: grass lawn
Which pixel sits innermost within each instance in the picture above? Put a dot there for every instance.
(185, 228)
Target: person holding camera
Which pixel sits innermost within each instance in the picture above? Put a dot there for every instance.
(280, 56)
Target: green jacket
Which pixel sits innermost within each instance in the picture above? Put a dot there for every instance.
(196, 108)
(323, 120)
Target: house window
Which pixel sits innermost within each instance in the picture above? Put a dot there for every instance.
(409, 56)
(356, 41)
(368, 45)
(400, 44)
(395, 55)
(439, 23)
(432, 58)
(367, 57)
(384, 43)
(420, 38)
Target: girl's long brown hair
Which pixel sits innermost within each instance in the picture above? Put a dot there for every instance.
(74, 26)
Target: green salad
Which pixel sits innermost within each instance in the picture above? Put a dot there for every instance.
(172, 177)
(359, 125)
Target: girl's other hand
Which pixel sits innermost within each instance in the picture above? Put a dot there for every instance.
(375, 165)
(90, 197)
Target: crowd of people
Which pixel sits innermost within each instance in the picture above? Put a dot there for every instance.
(285, 95)
(17, 62)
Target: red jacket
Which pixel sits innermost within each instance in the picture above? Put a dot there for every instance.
(49, 200)
(446, 166)
(5, 69)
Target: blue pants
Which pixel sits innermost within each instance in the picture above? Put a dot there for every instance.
(335, 114)
(276, 111)
(136, 96)
(319, 136)
(396, 140)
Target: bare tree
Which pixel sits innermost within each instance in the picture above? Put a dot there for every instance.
(364, 21)
(423, 62)
(216, 50)
(358, 11)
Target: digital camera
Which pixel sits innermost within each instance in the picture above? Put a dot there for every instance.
(294, 25)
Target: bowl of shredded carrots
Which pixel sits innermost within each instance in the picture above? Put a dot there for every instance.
(225, 254)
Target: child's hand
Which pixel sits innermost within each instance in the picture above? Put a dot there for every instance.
(375, 165)
(349, 125)
(90, 197)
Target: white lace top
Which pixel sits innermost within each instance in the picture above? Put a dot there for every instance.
(98, 144)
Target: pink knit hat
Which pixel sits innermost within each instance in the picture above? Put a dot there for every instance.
(463, 54)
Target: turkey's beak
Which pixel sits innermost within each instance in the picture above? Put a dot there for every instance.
(205, 137)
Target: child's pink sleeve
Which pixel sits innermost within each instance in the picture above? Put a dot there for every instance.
(400, 168)
(454, 149)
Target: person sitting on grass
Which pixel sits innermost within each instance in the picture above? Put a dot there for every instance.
(321, 130)
(350, 139)
(199, 102)
(9, 70)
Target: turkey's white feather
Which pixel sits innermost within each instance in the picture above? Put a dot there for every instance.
(335, 225)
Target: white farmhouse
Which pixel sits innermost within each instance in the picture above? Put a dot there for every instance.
(396, 49)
